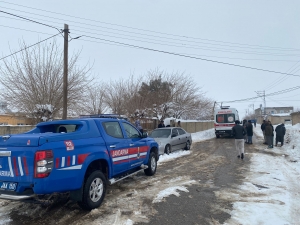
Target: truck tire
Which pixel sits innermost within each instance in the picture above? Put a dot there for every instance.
(152, 165)
(168, 149)
(94, 189)
(187, 145)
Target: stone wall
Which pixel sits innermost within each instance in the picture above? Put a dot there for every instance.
(193, 127)
(14, 129)
(295, 118)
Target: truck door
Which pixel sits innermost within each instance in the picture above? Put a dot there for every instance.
(137, 147)
(117, 146)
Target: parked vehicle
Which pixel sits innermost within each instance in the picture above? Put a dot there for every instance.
(171, 138)
(80, 157)
(224, 121)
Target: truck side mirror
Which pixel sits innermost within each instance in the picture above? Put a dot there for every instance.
(144, 134)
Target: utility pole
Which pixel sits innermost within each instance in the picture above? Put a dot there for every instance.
(65, 78)
(263, 95)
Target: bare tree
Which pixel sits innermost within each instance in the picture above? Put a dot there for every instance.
(95, 100)
(115, 96)
(34, 78)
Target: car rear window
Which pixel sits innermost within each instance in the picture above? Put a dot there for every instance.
(160, 133)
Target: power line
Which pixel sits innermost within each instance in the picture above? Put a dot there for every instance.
(181, 45)
(128, 27)
(23, 29)
(29, 46)
(29, 20)
(271, 94)
(192, 57)
(211, 56)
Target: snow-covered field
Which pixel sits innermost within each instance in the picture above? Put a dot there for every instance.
(271, 191)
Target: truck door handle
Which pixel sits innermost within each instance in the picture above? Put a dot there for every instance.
(112, 146)
(131, 144)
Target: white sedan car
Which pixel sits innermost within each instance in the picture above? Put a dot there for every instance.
(171, 138)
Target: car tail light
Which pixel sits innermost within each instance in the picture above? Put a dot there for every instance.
(43, 163)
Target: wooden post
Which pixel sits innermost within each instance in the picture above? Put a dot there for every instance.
(65, 78)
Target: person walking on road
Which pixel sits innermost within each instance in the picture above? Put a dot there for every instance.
(280, 132)
(269, 134)
(249, 129)
(263, 127)
(239, 132)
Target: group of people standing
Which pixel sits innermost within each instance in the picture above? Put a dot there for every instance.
(268, 131)
(243, 134)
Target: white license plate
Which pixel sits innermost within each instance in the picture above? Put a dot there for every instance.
(9, 186)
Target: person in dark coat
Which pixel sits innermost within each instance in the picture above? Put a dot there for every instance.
(161, 124)
(249, 129)
(269, 134)
(238, 133)
(263, 126)
(245, 125)
(280, 132)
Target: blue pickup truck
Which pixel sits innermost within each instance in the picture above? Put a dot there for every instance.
(79, 157)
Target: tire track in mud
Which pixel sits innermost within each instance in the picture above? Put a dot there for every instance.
(215, 166)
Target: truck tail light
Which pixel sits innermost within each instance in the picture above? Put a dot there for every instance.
(43, 163)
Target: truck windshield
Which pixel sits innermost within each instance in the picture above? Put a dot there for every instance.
(225, 118)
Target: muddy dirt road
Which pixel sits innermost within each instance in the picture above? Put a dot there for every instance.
(193, 179)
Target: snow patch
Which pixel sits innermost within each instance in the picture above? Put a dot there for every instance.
(171, 156)
(169, 191)
(203, 135)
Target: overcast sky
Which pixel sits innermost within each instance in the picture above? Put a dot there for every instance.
(258, 34)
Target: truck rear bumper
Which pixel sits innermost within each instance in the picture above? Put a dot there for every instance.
(15, 197)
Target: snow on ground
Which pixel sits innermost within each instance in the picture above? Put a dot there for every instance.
(165, 158)
(270, 193)
(203, 135)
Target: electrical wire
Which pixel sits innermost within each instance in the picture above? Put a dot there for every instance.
(192, 57)
(175, 44)
(24, 29)
(29, 20)
(189, 53)
(29, 46)
(181, 36)
(271, 94)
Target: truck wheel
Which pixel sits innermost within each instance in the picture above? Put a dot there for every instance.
(187, 145)
(168, 149)
(152, 165)
(217, 136)
(93, 191)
